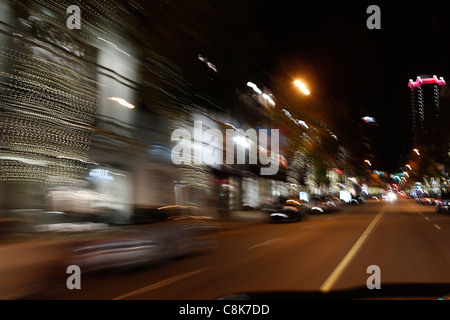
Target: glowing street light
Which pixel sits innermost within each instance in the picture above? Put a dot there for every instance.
(416, 151)
(353, 180)
(303, 123)
(266, 96)
(254, 87)
(408, 166)
(302, 87)
(368, 162)
(122, 102)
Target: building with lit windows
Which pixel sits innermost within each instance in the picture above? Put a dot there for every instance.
(87, 116)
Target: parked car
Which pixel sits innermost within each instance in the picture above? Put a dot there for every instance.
(289, 211)
(427, 201)
(359, 199)
(333, 203)
(153, 235)
(420, 200)
(321, 204)
(443, 205)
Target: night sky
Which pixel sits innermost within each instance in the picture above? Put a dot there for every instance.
(324, 43)
(342, 59)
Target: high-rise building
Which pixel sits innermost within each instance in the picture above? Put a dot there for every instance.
(425, 108)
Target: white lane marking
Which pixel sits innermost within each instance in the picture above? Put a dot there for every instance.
(427, 218)
(326, 286)
(420, 213)
(265, 243)
(160, 284)
(437, 227)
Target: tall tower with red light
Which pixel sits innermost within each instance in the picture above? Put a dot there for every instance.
(418, 105)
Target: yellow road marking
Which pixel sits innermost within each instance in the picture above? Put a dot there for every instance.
(328, 284)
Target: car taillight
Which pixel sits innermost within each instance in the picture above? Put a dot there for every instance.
(440, 202)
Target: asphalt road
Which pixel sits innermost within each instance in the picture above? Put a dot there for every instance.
(409, 243)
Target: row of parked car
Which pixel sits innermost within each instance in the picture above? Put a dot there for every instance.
(297, 209)
(441, 202)
(41, 245)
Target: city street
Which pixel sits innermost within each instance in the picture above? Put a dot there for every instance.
(327, 252)
(255, 150)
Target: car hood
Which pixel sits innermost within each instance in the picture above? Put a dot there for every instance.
(406, 291)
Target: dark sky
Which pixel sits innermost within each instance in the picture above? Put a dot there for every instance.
(326, 43)
(343, 59)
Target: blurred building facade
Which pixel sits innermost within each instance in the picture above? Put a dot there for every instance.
(82, 131)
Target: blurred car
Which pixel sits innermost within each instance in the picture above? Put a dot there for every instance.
(321, 204)
(390, 197)
(443, 205)
(153, 235)
(360, 199)
(291, 210)
(421, 200)
(427, 201)
(333, 203)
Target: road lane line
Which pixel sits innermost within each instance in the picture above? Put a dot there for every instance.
(326, 286)
(160, 284)
(265, 243)
(426, 218)
(437, 227)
